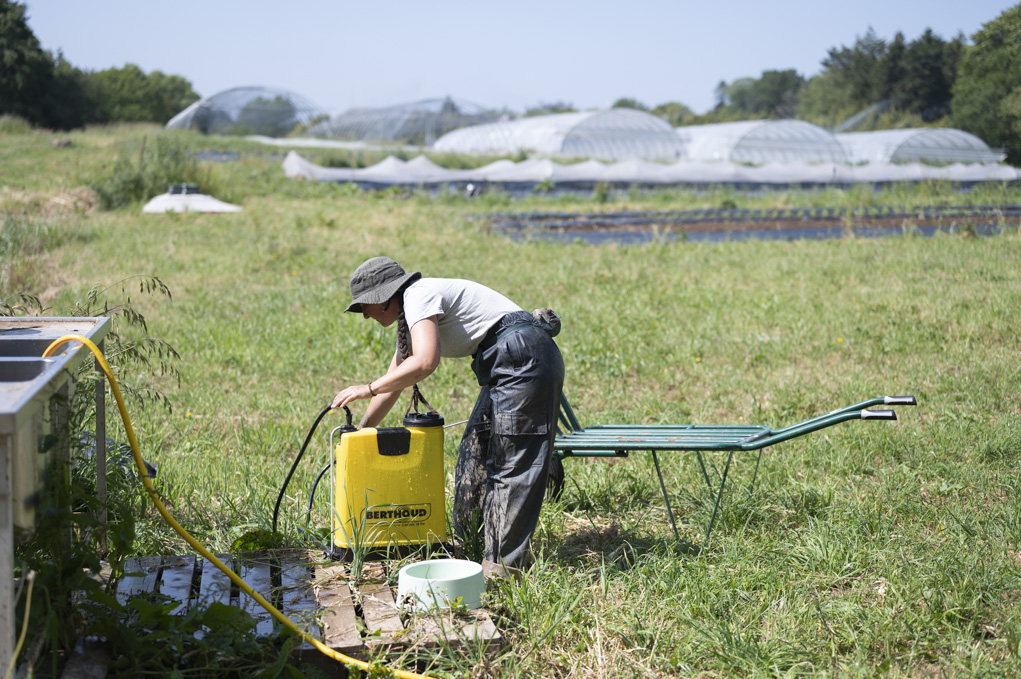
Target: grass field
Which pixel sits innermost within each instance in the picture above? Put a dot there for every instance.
(882, 548)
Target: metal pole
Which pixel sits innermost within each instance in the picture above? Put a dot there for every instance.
(705, 475)
(6, 554)
(719, 495)
(60, 426)
(101, 489)
(662, 486)
(751, 486)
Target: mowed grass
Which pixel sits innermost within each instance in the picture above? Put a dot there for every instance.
(869, 548)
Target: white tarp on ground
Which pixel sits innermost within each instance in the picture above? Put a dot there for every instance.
(188, 202)
(422, 171)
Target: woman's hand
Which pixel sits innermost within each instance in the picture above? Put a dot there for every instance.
(352, 393)
(418, 366)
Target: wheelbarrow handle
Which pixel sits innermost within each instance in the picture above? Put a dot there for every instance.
(899, 401)
(878, 415)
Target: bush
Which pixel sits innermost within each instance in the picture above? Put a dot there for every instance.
(23, 241)
(169, 163)
(14, 125)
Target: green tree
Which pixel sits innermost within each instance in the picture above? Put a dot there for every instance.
(858, 70)
(674, 112)
(893, 66)
(727, 93)
(925, 86)
(129, 94)
(628, 102)
(547, 108)
(171, 94)
(852, 78)
(952, 53)
(876, 83)
(49, 91)
(1012, 108)
(988, 86)
(71, 100)
(774, 95)
(824, 101)
(26, 70)
(720, 95)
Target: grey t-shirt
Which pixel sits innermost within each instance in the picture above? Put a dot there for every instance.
(465, 311)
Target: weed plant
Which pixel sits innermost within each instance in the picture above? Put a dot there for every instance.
(869, 548)
(130, 181)
(10, 124)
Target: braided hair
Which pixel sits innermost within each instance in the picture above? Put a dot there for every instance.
(404, 348)
(403, 331)
(403, 336)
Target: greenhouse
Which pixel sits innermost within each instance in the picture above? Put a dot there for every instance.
(762, 141)
(616, 134)
(419, 123)
(246, 111)
(928, 145)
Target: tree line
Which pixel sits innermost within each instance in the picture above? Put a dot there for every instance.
(880, 84)
(872, 84)
(48, 91)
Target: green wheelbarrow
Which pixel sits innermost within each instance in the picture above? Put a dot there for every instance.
(618, 440)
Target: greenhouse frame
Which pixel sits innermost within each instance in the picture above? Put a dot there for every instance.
(929, 145)
(762, 141)
(419, 123)
(615, 134)
(252, 110)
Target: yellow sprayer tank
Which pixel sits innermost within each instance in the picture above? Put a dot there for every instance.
(389, 485)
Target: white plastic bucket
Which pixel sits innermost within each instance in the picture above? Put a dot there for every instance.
(441, 582)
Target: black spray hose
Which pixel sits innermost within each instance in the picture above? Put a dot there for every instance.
(308, 512)
(312, 494)
(276, 508)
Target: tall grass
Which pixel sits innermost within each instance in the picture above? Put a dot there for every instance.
(14, 125)
(868, 548)
(164, 162)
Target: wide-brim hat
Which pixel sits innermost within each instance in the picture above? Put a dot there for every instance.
(376, 281)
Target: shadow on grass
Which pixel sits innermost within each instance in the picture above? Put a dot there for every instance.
(610, 544)
(765, 510)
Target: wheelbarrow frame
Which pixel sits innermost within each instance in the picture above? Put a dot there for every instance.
(618, 440)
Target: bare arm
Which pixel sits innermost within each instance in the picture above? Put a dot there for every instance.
(423, 362)
(380, 405)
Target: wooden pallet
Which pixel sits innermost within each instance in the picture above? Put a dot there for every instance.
(360, 619)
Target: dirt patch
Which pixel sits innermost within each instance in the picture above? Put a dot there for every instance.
(728, 226)
(731, 221)
(70, 201)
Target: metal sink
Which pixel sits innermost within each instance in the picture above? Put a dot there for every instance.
(20, 369)
(24, 346)
(35, 397)
(26, 376)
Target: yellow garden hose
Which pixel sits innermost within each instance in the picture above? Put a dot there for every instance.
(195, 544)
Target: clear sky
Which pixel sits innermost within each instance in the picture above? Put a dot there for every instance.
(514, 54)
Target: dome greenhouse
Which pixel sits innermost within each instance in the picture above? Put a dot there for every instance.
(762, 141)
(419, 123)
(938, 146)
(615, 134)
(247, 110)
